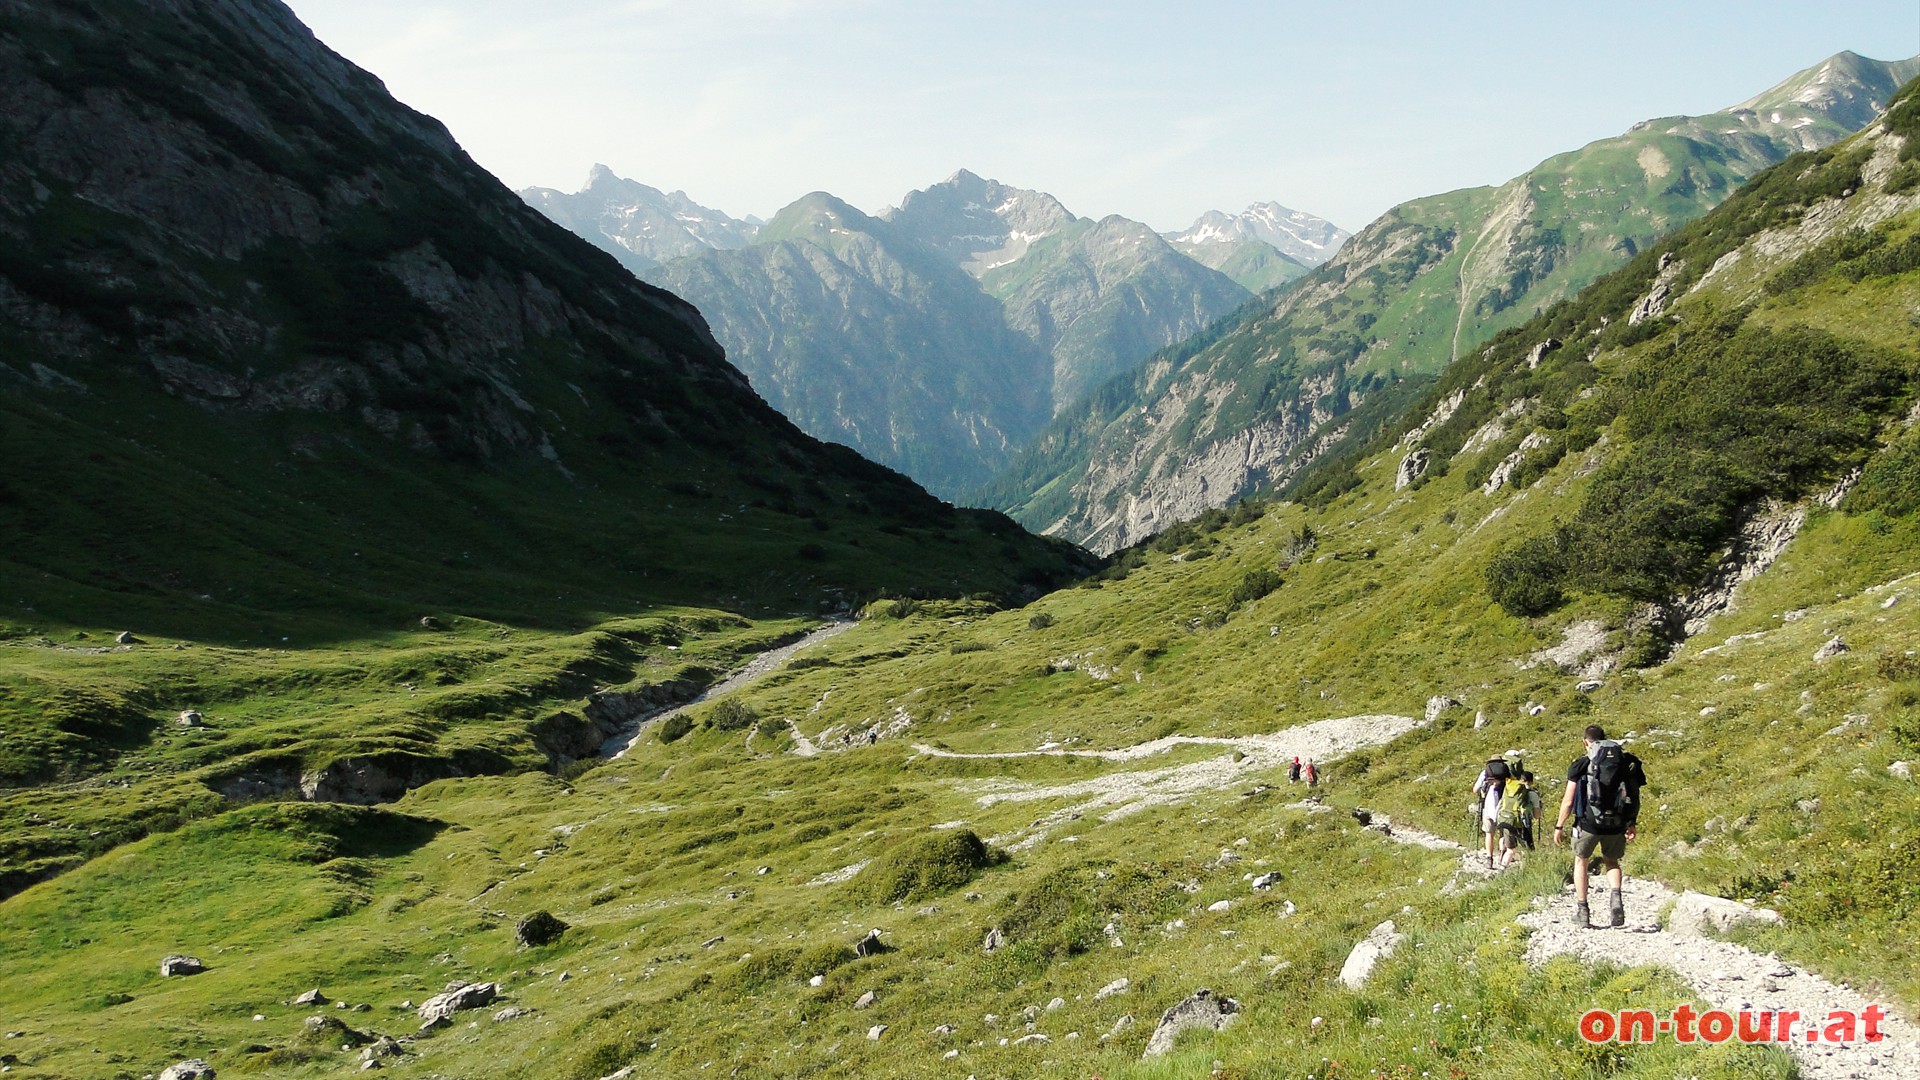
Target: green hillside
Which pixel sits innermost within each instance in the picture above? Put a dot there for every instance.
(1426, 284)
(1094, 783)
(1254, 265)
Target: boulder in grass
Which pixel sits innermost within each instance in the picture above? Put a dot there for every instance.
(1369, 951)
(1201, 1010)
(191, 1069)
(381, 1047)
(311, 997)
(440, 1008)
(181, 965)
(1699, 915)
(539, 928)
(871, 945)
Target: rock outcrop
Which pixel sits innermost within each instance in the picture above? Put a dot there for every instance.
(1412, 468)
(1369, 951)
(181, 965)
(539, 928)
(1698, 914)
(1201, 1010)
(439, 1009)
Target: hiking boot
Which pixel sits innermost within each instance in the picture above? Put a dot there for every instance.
(1581, 916)
(1617, 911)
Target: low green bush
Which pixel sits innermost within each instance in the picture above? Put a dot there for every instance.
(928, 865)
(730, 714)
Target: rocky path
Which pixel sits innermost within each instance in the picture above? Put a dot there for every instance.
(802, 746)
(1726, 976)
(1125, 793)
(760, 666)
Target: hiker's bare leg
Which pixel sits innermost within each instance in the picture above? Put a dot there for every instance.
(1579, 879)
(1614, 874)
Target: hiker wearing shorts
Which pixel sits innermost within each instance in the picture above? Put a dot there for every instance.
(1603, 799)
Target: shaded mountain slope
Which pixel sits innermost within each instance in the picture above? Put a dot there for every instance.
(274, 344)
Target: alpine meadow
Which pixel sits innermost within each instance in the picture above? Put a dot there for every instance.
(424, 651)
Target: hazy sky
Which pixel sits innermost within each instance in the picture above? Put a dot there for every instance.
(1157, 111)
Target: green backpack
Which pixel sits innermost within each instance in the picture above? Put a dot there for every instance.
(1513, 804)
(1513, 796)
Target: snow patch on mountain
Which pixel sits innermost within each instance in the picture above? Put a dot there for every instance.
(1300, 236)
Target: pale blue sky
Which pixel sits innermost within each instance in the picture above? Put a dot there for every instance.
(1157, 111)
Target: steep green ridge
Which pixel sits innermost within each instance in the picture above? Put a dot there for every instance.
(716, 883)
(867, 337)
(282, 373)
(1421, 287)
(940, 336)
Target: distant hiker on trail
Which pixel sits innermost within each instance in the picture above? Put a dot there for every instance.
(1603, 798)
(1491, 788)
(1313, 774)
(1293, 771)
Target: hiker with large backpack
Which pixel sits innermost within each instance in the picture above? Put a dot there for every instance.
(1491, 788)
(1603, 799)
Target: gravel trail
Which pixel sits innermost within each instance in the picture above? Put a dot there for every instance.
(760, 666)
(1129, 792)
(1726, 976)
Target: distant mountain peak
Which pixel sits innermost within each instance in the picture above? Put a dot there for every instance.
(1302, 237)
(638, 224)
(1846, 88)
(979, 223)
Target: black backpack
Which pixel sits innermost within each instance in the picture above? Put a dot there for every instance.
(1613, 783)
(1497, 769)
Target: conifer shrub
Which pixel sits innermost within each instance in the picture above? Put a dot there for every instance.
(1718, 418)
(731, 714)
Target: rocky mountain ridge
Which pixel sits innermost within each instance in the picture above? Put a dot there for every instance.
(873, 345)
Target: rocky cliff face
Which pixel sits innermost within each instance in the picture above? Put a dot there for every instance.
(1423, 286)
